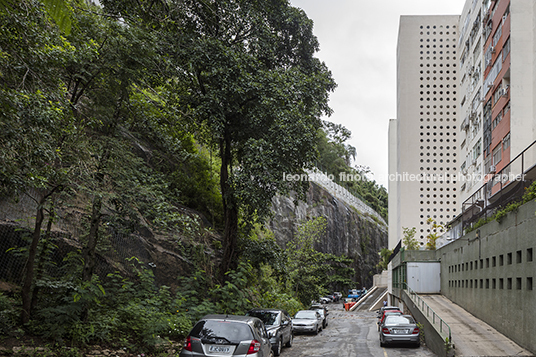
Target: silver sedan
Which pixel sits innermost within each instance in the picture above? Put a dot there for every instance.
(307, 321)
(399, 329)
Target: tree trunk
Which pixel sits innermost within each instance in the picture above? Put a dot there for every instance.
(29, 269)
(88, 252)
(230, 210)
(39, 271)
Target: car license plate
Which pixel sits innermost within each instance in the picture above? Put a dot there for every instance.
(219, 349)
(400, 332)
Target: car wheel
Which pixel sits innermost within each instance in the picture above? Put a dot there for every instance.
(289, 343)
(277, 350)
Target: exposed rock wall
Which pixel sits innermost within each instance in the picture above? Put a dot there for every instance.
(348, 232)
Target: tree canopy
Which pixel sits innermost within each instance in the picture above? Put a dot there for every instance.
(336, 158)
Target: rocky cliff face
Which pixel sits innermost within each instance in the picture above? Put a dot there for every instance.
(349, 232)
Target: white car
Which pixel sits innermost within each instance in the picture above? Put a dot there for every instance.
(325, 300)
(307, 321)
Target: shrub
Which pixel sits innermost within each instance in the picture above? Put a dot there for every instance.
(8, 315)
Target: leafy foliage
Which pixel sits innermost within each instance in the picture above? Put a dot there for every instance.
(385, 254)
(335, 158)
(435, 230)
(499, 215)
(409, 240)
(136, 114)
(8, 315)
(310, 272)
(130, 310)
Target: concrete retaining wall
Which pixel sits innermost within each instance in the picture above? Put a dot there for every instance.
(491, 273)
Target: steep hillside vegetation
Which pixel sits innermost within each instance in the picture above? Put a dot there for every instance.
(139, 154)
(348, 232)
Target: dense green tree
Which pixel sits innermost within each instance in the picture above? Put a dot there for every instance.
(310, 272)
(249, 76)
(303, 261)
(385, 254)
(38, 137)
(141, 112)
(335, 157)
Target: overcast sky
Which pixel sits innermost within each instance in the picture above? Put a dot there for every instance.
(358, 44)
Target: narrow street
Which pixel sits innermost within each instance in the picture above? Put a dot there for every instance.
(349, 334)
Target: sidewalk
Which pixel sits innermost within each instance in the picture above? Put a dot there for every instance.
(471, 336)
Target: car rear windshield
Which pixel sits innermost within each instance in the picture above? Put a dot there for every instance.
(269, 318)
(398, 320)
(306, 314)
(229, 330)
(320, 311)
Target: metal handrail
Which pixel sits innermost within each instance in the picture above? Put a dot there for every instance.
(419, 301)
(495, 179)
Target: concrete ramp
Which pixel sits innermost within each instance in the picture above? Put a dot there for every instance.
(370, 299)
(471, 336)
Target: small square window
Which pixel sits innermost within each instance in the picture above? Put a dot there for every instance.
(519, 257)
(487, 262)
(501, 283)
(494, 261)
(501, 260)
(509, 258)
(509, 283)
(493, 283)
(518, 283)
(529, 255)
(529, 283)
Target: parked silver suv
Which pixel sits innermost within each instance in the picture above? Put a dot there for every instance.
(228, 335)
(278, 325)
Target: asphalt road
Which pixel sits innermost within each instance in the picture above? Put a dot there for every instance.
(349, 334)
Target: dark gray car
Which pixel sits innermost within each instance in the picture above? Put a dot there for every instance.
(228, 335)
(279, 326)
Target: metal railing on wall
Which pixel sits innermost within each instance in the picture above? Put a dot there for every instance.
(426, 310)
(501, 188)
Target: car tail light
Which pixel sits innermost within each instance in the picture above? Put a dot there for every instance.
(385, 330)
(254, 347)
(415, 331)
(188, 344)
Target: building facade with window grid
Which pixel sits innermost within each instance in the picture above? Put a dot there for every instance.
(423, 139)
(494, 106)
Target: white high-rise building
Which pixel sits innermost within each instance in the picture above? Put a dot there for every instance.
(423, 140)
(466, 107)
